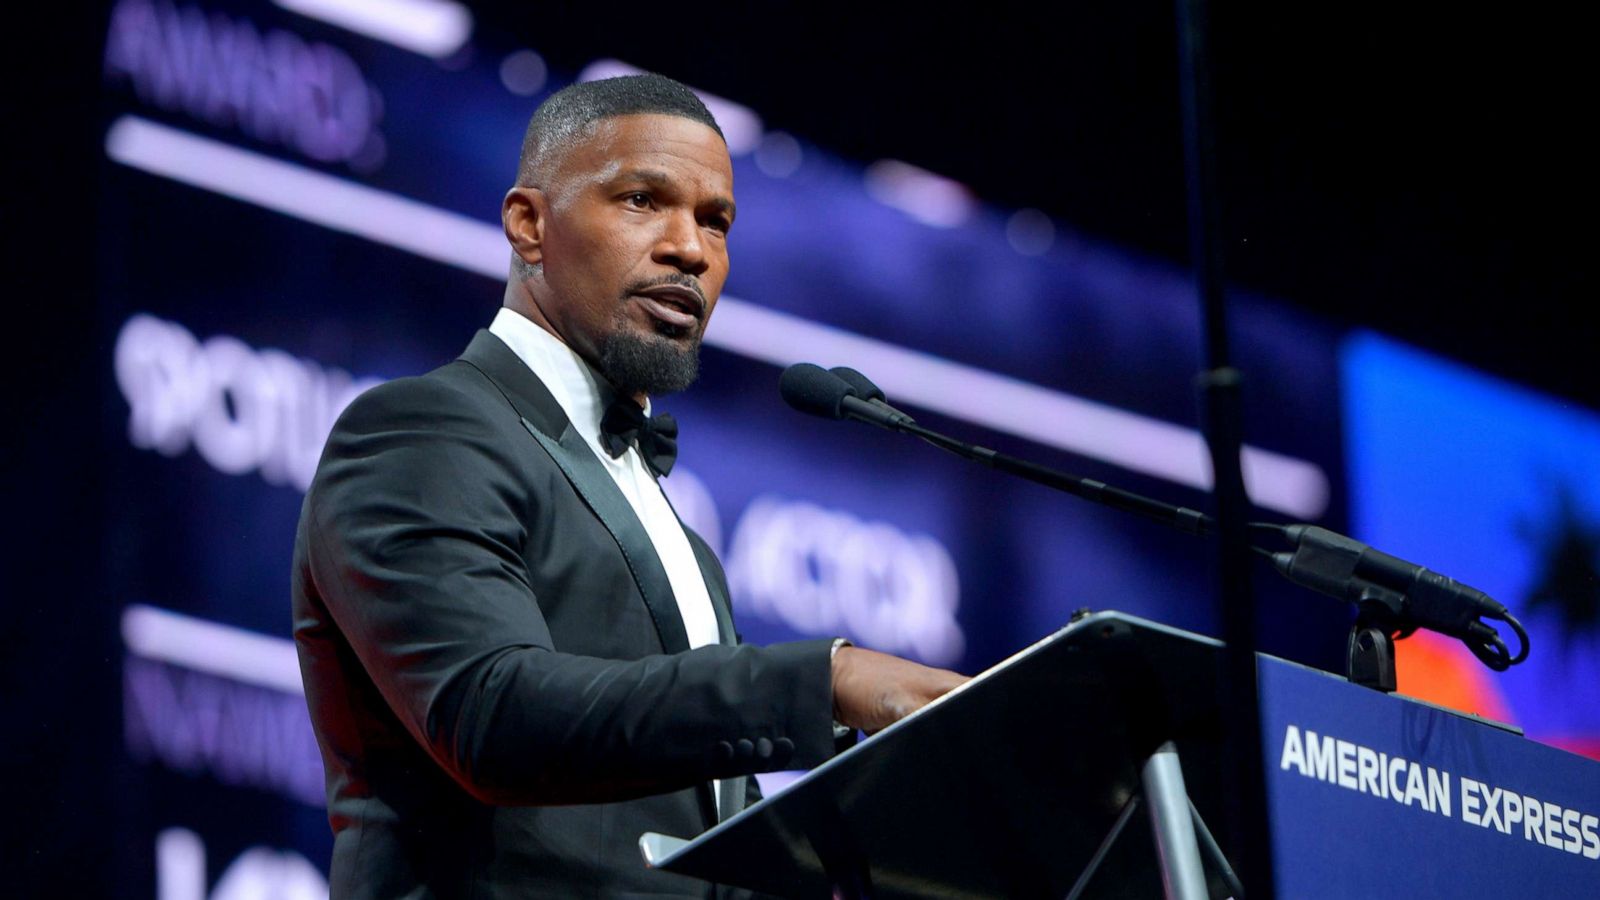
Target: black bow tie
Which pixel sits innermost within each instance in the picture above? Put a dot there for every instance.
(657, 436)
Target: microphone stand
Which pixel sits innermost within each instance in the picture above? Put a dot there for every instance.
(1245, 822)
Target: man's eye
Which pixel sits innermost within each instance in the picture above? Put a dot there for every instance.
(638, 199)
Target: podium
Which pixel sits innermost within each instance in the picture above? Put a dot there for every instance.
(1049, 774)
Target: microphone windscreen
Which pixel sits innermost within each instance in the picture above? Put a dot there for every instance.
(861, 384)
(814, 390)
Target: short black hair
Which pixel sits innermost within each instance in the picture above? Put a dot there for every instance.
(571, 111)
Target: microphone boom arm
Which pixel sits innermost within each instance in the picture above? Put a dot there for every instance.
(1393, 597)
(1189, 521)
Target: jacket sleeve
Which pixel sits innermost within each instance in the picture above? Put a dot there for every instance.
(416, 529)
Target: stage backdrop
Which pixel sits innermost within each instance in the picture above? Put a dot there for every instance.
(294, 210)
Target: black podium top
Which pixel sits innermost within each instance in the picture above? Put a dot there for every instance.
(1003, 788)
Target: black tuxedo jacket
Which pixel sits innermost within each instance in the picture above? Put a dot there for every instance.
(495, 664)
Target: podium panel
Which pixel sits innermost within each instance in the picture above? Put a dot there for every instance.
(1375, 795)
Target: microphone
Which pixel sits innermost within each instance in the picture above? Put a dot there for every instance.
(860, 383)
(1333, 564)
(866, 390)
(815, 391)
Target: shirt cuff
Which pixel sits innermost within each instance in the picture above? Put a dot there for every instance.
(839, 731)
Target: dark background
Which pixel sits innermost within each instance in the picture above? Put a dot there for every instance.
(1421, 171)
(1425, 173)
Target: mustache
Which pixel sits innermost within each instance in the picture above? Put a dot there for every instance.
(680, 280)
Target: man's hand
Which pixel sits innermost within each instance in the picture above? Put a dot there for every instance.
(872, 690)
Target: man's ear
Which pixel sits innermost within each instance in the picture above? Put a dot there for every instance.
(523, 214)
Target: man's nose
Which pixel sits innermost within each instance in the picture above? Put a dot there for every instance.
(681, 244)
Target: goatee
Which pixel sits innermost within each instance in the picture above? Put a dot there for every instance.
(652, 364)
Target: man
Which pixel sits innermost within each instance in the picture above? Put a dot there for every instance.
(515, 656)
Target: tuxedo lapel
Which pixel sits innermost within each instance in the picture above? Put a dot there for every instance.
(548, 425)
(592, 483)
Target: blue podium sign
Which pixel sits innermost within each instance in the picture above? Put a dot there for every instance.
(1374, 795)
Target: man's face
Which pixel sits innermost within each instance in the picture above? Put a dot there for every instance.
(634, 248)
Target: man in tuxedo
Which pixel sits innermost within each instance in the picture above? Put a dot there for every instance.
(516, 657)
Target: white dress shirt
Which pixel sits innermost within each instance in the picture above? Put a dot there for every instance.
(584, 397)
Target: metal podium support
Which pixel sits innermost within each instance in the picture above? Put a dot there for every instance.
(1176, 848)
(1180, 834)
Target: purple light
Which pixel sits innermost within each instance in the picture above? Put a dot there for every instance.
(213, 648)
(930, 199)
(435, 28)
